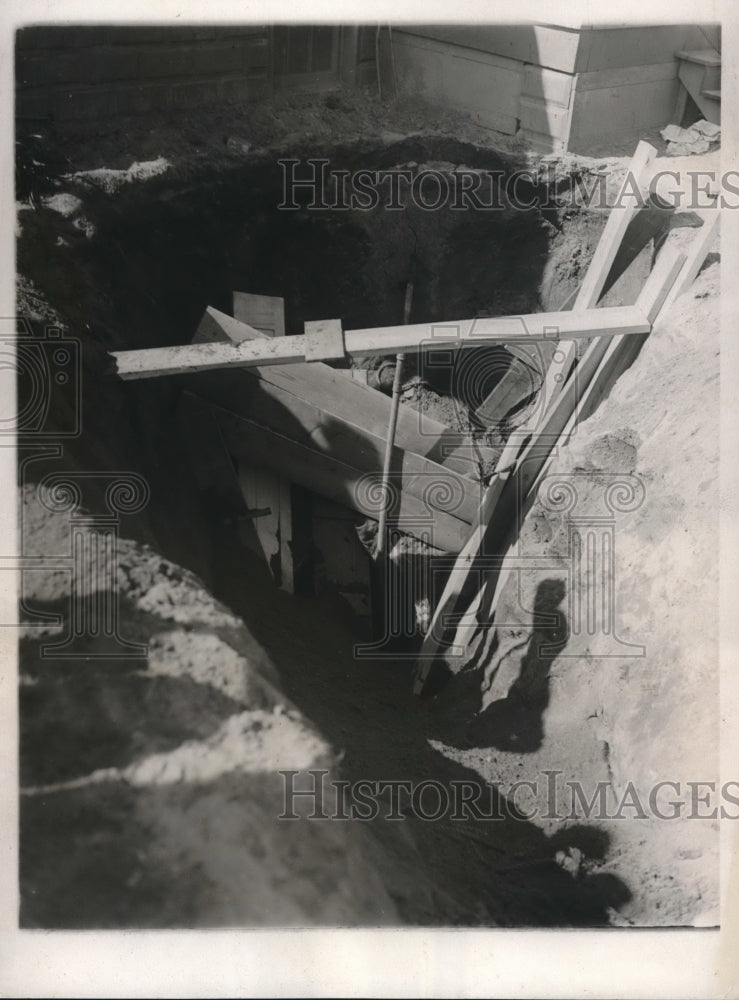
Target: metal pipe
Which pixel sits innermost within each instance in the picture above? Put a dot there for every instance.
(395, 402)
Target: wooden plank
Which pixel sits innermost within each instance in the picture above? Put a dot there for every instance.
(466, 333)
(325, 340)
(660, 282)
(156, 361)
(458, 334)
(265, 313)
(697, 254)
(600, 265)
(635, 45)
(348, 442)
(553, 46)
(618, 223)
(336, 480)
(616, 356)
(547, 85)
(486, 86)
(264, 489)
(561, 399)
(626, 109)
(326, 388)
(608, 364)
(545, 117)
(627, 76)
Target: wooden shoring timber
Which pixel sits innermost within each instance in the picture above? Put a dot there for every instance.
(615, 228)
(543, 440)
(625, 208)
(267, 403)
(349, 443)
(597, 370)
(596, 373)
(264, 313)
(337, 480)
(697, 254)
(343, 399)
(554, 383)
(650, 300)
(606, 259)
(459, 335)
(263, 489)
(607, 362)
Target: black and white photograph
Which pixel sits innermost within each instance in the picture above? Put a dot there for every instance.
(369, 496)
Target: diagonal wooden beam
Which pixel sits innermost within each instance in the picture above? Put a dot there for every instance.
(338, 479)
(346, 441)
(461, 334)
(607, 362)
(615, 229)
(697, 254)
(597, 371)
(555, 384)
(626, 207)
(542, 441)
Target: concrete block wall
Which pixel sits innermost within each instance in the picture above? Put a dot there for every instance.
(80, 73)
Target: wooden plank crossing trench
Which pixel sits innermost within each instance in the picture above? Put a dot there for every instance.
(456, 334)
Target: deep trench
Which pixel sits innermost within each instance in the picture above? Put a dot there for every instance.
(164, 250)
(161, 253)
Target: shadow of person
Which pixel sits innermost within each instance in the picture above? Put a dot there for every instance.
(515, 722)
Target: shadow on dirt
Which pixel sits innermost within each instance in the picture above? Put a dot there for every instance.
(488, 866)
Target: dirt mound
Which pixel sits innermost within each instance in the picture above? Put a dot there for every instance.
(150, 785)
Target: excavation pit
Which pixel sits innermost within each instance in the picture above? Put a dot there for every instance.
(136, 268)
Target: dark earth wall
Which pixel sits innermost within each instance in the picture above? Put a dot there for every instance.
(82, 73)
